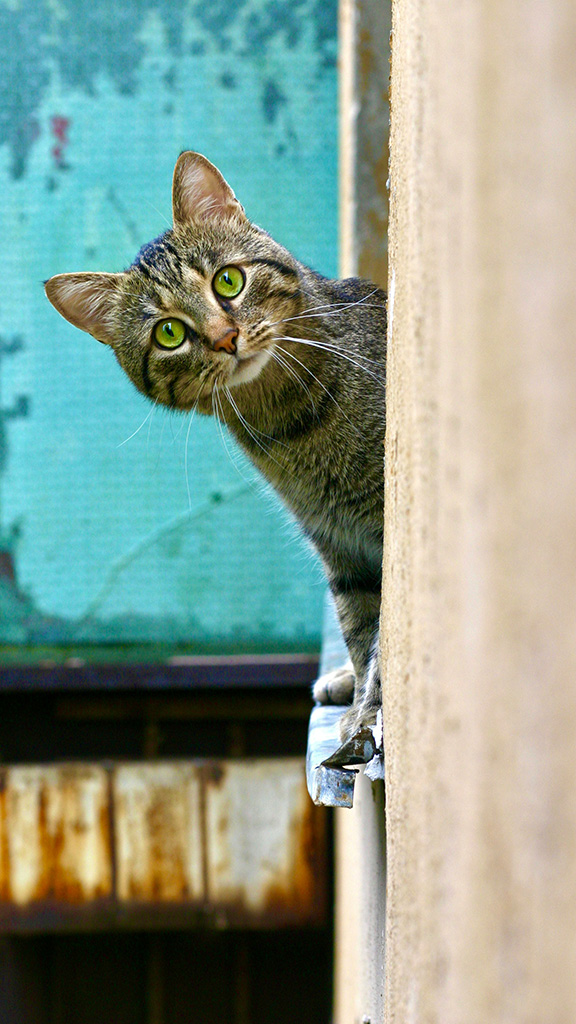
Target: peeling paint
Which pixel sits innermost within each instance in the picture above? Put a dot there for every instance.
(69, 38)
(273, 100)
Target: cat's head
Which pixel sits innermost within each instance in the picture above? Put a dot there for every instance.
(200, 305)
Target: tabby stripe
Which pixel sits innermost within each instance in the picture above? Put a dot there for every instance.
(357, 634)
(173, 251)
(198, 267)
(282, 267)
(154, 278)
(307, 420)
(158, 248)
(325, 407)
(148, 387)
(282, 293)
(360, 496)
(365, 579)
(147, 273)
(172, 263)
(172, 392)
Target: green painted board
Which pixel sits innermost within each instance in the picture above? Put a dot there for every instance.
(119, 525)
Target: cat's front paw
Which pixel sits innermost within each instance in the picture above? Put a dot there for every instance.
(336, 687)
(366, 704)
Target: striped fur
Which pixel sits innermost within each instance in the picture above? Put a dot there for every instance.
(303, 394)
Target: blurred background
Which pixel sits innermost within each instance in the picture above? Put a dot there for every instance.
(160, 616)
(104, 536)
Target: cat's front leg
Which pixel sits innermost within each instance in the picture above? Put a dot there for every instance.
(359, 612)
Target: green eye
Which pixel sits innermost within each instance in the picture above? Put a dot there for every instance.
(170, 333)
(228, 282)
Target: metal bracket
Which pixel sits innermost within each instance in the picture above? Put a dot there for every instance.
(329, 778)
(330, 786)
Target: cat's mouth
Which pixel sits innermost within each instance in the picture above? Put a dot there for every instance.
(248, 367)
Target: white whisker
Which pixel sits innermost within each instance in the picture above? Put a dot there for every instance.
(344, 304)
(306, 314)
(220, 419)
(186, 462)
(159, 456)
(338, 352)
(148, 434)
(201, 380)
(138, 429)
(323, 386)
(330, 346)
(290, 370)
(250, 430)
(160, 214)
(176, 435)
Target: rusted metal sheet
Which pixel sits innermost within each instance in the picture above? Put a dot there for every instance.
(260, 836)
(157, 810)
(147, 844)
(55, 834)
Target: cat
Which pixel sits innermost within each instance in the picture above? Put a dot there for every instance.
(216, 316)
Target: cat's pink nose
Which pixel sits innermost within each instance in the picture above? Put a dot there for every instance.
(227, 343)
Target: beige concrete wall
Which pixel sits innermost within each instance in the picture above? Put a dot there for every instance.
(479, 616)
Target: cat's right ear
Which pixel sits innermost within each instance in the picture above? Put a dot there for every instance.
(87, 301)
(199, 191)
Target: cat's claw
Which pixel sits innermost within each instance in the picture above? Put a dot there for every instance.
(336, 687)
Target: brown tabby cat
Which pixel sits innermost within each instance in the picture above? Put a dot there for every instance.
(216, 316)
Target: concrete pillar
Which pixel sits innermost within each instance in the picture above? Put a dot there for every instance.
(360, 881)
(479, 610)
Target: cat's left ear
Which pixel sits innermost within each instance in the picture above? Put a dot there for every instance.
(199, 191)
(87, 301)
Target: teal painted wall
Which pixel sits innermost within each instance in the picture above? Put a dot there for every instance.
(104, 536)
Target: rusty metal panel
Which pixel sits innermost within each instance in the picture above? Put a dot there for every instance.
(158, 832)
(232, 842)
(259, 835)
(55, 834)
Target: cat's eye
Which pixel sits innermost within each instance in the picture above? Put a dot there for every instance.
(228, 282)
(170, 333)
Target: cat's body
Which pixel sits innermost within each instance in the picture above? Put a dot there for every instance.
(216, 316)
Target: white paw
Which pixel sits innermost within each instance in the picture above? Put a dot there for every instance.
(336, 687)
